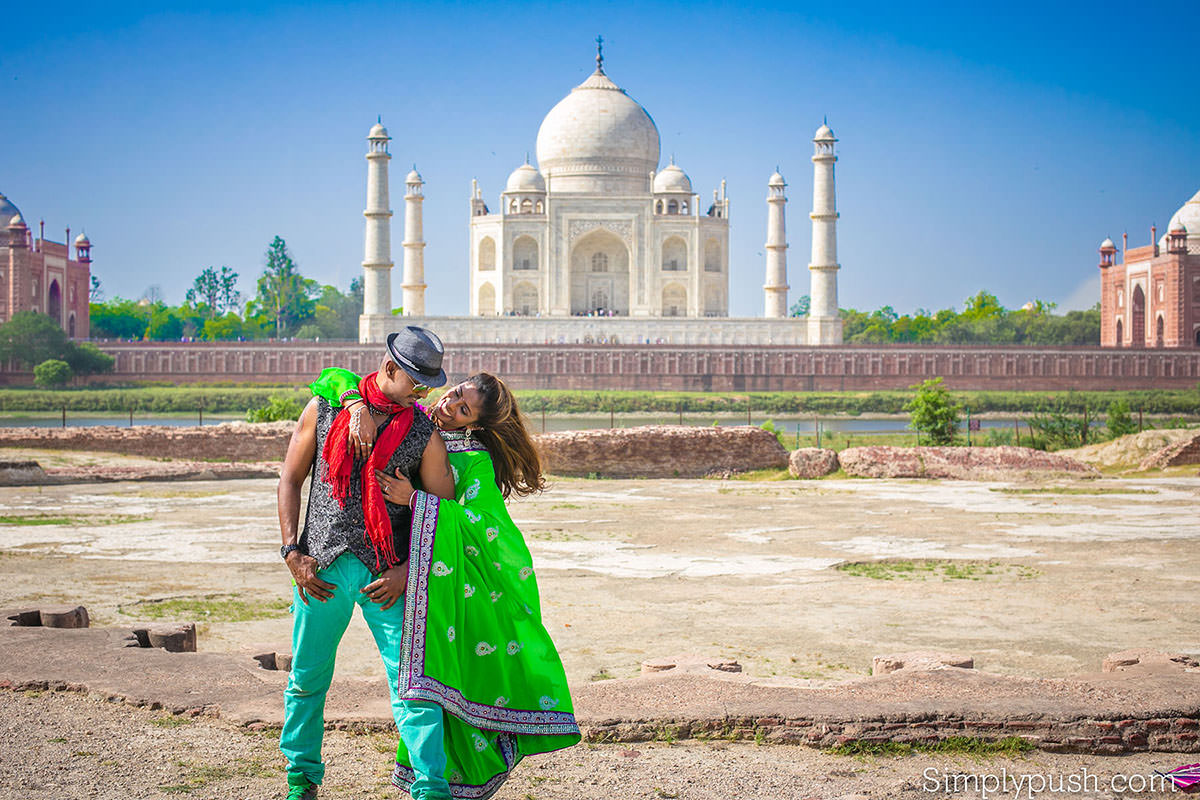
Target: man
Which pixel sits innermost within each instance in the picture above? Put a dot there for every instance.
(354, 545)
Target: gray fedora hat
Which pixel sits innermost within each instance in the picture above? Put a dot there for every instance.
(419, 353)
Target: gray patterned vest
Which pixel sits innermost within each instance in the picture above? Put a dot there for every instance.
(331, 529)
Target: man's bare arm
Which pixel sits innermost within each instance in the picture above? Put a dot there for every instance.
(436, 476)
(297, 464)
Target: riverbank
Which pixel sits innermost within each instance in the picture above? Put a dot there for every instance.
(752, 405)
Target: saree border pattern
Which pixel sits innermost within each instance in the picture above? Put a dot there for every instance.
(416, 685)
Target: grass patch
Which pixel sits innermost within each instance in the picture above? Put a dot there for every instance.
(761, 475)
(212, 608)
(1009, 747)
(946, 570)
(73, 520)
(1070, 490)
(602, 675)
(170, 721)
(565, 505)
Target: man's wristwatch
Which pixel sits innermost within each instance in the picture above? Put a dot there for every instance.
(287, 548)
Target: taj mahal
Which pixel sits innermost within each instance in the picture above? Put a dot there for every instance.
(597, 243)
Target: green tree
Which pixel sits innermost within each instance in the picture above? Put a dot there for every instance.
(933, 412)
(165, 325)
(52, 373)
(800, 307)
(119, 319)
(30, 338)
(284, 295)
(1119, 421)
(85, 358)
(336, 314)
(982, 305)
(216, 291)
(228, 328)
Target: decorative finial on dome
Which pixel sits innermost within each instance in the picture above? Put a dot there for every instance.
(527, 158)
(379, 118)
(672, 159)
(600, 54)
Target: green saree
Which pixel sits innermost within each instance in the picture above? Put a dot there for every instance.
(473, 638)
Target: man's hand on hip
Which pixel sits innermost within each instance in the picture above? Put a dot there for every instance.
(304, 572)
(389, 586)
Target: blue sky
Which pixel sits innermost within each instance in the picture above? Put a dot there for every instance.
(982, 146)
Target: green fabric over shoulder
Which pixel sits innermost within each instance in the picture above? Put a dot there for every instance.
(332, 382)
(473, 638)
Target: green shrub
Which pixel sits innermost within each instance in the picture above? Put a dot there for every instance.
(933, 412)
(52, 373)
(1120, 421)
(277, 408)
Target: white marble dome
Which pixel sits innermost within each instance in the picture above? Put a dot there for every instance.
(7, 209)
(1107, 244)
(776, 180)
(16, 221)
(672, 180)
(597, 132)
(824, 134)
(1188, 216)
(378, 132)
(413, 177)
(525, 178)
(82, 239)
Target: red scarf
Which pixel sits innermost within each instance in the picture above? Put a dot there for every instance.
(339, 467)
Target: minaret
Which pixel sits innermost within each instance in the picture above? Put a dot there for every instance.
(377, 255)
(776, 287)
(414, 247)
(824, 321)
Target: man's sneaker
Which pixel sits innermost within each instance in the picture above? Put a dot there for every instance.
(301, 788)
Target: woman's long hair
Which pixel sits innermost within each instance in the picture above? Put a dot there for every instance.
(501, 428)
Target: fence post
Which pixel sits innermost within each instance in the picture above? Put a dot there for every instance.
(610, 418)
(131, 416)
(64, 420)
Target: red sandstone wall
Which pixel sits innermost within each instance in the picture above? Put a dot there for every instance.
(696, 368)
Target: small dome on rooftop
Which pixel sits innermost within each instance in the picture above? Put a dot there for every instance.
(82, 239)
(413, 177)
(525, 178)
(378, 132)
(16, 221)
(1188, 216)
(824, 134)
(672, 179)
(7, 209)
(1106, 244)
(776, 180)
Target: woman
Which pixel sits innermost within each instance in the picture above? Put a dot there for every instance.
(474, 646)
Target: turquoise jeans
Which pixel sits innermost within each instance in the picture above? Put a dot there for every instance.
(317, 628)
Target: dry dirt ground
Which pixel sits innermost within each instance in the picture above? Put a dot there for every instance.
(1030, 580)
(55, 746)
